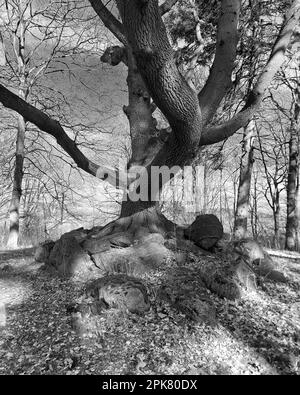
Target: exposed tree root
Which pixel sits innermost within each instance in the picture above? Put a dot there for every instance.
(119, 255)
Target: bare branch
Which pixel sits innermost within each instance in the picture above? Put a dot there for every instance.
(53, 127)
(109, 20)
(216, 134)
(167, 6)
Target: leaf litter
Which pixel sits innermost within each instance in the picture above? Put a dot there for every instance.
(255, 336)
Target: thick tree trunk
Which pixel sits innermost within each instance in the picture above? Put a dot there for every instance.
(154, 56)
(129, 207)
(293, 187)
(242, 209)
(293, 192)
(140, 222)
(139, 113)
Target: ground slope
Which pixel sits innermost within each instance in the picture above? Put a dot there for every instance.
(257, 335)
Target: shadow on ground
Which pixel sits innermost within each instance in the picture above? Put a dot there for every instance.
(41, 337)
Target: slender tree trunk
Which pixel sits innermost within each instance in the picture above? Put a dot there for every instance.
(254, 210)
(298, 208)
(293, 193)
(246, 165)
(14, 209)
(205, 189)
(276, 215)
(277, 228)
(242, 209)
(2, 52)
(198, 189)
(220, 197)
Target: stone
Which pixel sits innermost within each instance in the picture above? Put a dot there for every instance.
(68, 258)
(42, 252)
(205, 231)
(120, 291)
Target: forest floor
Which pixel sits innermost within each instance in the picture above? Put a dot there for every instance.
(254, 336)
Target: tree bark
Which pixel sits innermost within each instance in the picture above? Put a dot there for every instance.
(205, 189)
(293, 189)
(155, 59)
(15, 203)
(276, 215)
(254, 209)
(145, 32)
(242, 209)
(142, 124)
(215, 134)
(167, 6)
(246, 164)
(219, 80)
(14, 209)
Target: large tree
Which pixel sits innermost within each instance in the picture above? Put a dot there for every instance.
(155, 80)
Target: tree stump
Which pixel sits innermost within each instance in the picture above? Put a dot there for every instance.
(120, 291)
